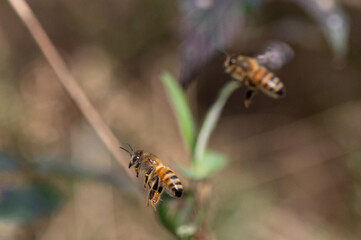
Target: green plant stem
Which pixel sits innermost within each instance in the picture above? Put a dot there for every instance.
(211, 119)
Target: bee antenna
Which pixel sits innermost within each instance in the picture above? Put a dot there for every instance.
(130, 147)
(126, 150)
(223, 51)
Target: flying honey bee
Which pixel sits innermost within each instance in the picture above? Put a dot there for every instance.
(253, 73)
(157, 176)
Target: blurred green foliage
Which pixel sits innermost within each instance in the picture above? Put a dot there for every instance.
(26, 203)
(179, 219)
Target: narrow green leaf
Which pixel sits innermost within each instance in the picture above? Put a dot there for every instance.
(211, 119)
(181, 109)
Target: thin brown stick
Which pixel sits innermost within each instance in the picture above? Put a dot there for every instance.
(68, 81)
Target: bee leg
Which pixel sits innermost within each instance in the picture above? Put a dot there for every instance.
(160, 190)
(137, 168)
(133, 161)
(153, 190)
(156, 183)
(149, 172)
(156, 197)
(150, 196)
(249, 95)
(151, 181)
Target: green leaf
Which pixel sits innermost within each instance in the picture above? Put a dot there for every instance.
(211, 119)
(178, 217)
(181, 109)
(188, 172)
(170, 219)
(209, 164)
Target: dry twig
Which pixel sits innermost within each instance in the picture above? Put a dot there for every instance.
(68, 81)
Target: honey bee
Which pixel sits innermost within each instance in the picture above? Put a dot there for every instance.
(252, 74)
(156, 176)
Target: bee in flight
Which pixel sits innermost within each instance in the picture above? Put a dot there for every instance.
(254, 72)
(156, 176)
(248, 71)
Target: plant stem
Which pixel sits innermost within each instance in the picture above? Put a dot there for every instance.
(211, 119)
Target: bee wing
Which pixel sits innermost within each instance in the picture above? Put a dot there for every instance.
(274, 55)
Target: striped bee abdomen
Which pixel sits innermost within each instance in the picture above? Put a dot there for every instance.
(171, 182)
(268, 83)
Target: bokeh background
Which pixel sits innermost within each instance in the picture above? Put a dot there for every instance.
(295, 163)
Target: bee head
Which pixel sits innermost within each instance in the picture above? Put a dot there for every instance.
(230, 63)
(135, 156)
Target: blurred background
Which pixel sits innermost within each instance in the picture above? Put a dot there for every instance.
(295, 163)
